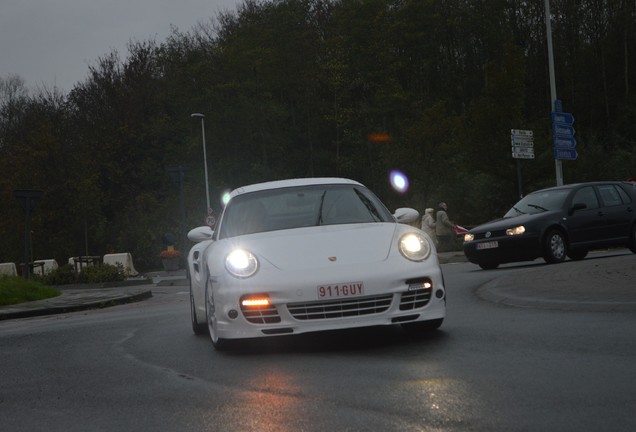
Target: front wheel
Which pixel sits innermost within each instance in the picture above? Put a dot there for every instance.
(197, 327)
(210, 315)
(554, 247)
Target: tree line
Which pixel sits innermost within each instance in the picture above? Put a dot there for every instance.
(298, 88)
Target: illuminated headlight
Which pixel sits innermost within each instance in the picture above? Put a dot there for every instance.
(516, 230)
(414, 246)
(469, 237)
(241, 263)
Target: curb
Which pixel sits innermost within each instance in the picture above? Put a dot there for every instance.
(589, 285)
(98, 303)
(120, 284)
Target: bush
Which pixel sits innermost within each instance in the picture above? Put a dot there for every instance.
(102, 273)
(66, 274)
(62, 275)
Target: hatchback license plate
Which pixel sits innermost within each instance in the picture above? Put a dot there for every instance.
(488, 245)
(348, 289)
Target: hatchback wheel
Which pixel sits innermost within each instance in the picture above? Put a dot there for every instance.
(554, 247)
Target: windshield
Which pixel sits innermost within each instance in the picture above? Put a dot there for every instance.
(298, 207)
(539, 202)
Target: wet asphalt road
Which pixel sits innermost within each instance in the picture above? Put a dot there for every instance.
(491, 367)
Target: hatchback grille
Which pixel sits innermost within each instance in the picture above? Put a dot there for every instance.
(493, 234)
(418, 295)
(340, 308)
(264, 315)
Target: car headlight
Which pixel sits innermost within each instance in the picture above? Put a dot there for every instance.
(469, 237)
(516, 230)
(241, 263)
(414, 246)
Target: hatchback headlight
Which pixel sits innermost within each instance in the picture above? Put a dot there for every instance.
(469, 237)
(414, 246)
(516, 230)
(241, 263)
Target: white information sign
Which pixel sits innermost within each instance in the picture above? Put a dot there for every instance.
(522, 143)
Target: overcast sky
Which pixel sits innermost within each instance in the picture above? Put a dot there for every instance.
(53, 42)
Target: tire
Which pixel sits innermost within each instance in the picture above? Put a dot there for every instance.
(197, 328)
(489, 265)
(210, 316)
(419, 327)
(577, 255)
(632, 239)
(555, 247)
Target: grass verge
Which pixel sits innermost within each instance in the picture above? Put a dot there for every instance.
(14, 290)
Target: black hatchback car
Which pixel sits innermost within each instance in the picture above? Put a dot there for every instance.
(557, 222)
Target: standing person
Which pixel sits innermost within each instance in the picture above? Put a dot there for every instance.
(428, 224)
(444, 228)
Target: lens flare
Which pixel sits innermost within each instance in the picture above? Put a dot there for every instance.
(225, 198)
(399, 181)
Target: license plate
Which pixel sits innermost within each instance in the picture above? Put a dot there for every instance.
(338, 290)
(488, 245)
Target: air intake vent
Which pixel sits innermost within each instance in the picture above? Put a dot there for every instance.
(263, 315)
(418, 295)
(340, 308)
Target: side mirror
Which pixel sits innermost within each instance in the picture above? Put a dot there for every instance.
(200, 234)
(577, 206)
(406, 215)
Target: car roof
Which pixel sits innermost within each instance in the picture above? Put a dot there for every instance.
(574, 185)
(279, 184)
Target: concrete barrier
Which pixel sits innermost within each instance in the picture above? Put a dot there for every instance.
(48, 265)
(125, 259)
(8, 269)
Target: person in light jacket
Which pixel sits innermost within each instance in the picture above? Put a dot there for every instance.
(444, 229)
(428, 224)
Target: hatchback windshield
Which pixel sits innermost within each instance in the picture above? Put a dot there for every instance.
(539, 202)
(297, 207)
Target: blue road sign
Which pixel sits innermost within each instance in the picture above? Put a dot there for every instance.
(562, 118)
(562, 131)
(563, 142)
(565, 154)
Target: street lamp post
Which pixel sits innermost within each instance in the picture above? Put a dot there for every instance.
(553, 95)
(205, 158)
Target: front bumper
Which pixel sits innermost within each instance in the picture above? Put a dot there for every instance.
(509, 249)
(417, 294)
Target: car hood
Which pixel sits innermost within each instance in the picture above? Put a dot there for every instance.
(310, 247)
(523, 219)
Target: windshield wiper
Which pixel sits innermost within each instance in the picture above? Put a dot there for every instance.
(538, 207)
(517, 210)
(322, 202)
(370, 207)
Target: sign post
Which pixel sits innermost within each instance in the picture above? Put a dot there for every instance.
(27, 199)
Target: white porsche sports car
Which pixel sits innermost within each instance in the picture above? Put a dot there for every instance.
(305, 255)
